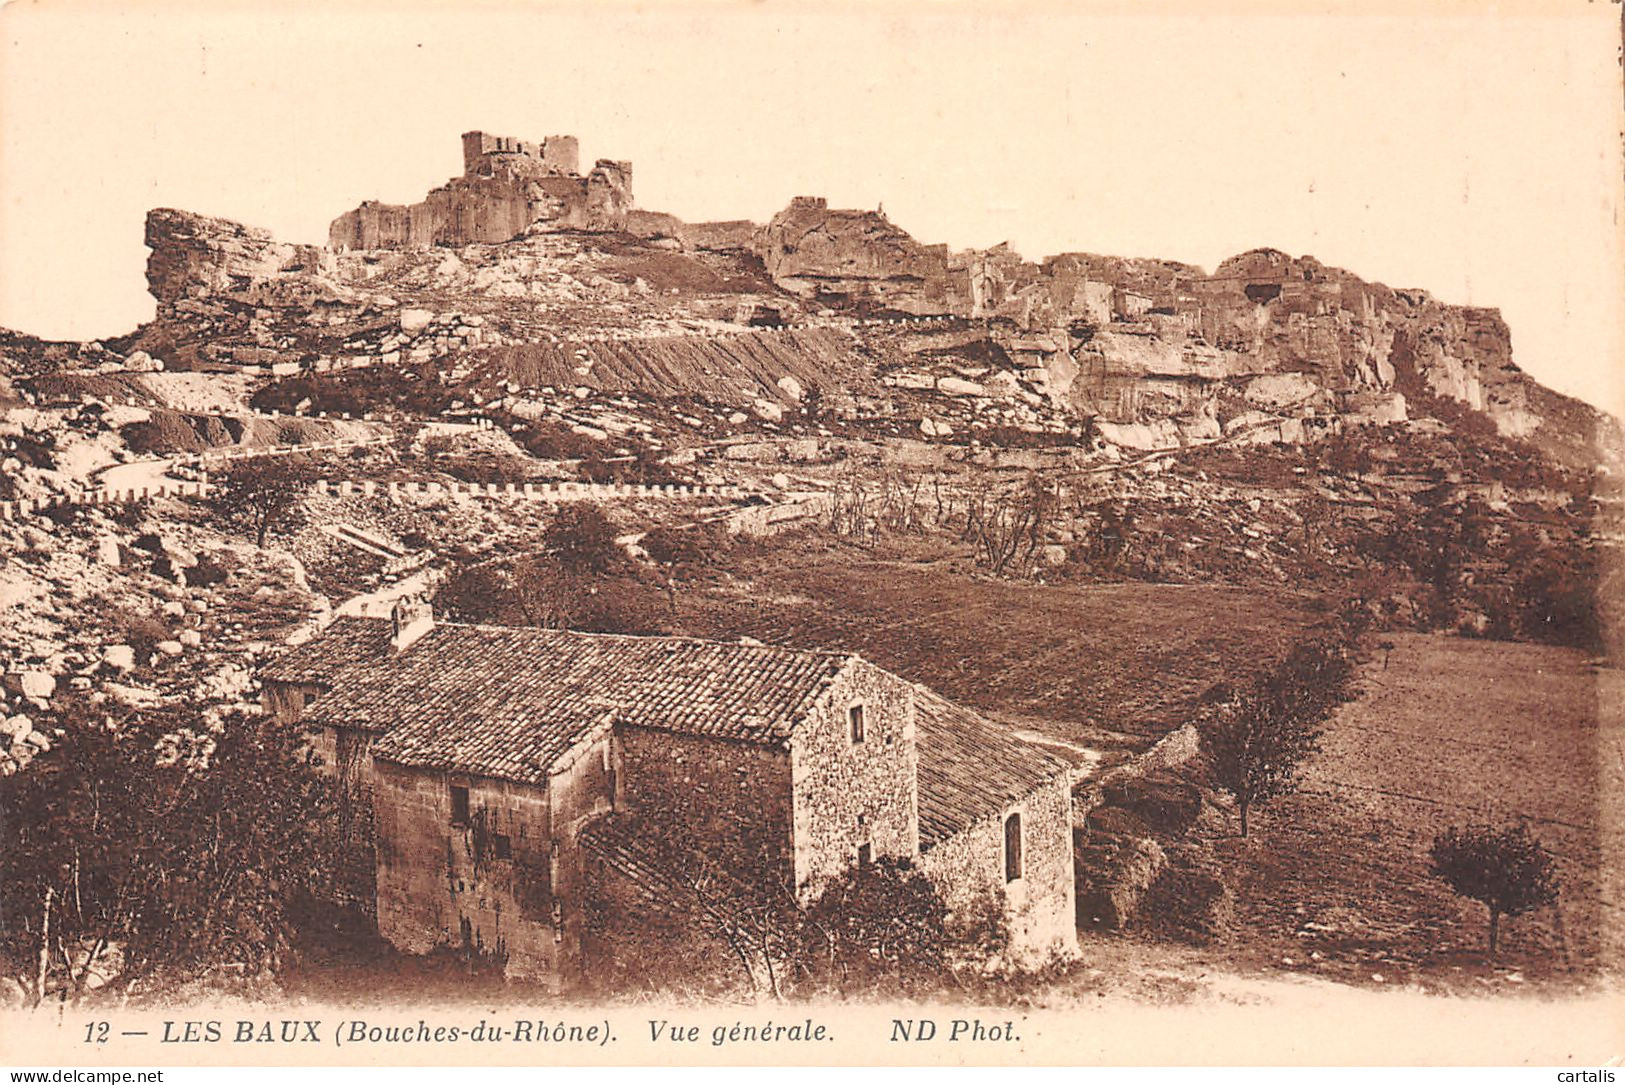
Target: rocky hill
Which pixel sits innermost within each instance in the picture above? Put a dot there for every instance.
(525, 278)
(528, 290)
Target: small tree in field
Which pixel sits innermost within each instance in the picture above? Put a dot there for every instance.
(1257, 740)
(266, 494)
(1506, 870)
(1255, 753)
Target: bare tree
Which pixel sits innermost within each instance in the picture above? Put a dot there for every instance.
(682, 552)
(544, 590)
(1506, 870)
(174, 849)
(1008, 530)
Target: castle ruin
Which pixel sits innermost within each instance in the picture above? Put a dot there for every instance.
(508, 188)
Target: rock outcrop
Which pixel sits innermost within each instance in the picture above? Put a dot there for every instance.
(853, 260)
(196, 256)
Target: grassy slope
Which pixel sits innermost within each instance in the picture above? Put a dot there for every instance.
(1453, 731)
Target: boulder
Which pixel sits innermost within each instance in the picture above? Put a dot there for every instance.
(958, 386)
(1003, 384)
(121, 657)
(415, 320)
(142, 362)
(790, 387)
(136, 696)
(35, 684)
(1167, 805)
(1190, 901)
(170, 647)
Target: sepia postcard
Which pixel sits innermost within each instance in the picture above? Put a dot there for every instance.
(698, 534)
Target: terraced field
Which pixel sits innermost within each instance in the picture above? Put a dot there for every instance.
(1107, 664)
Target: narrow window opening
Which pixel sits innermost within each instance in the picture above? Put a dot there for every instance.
(1012, 847)
(854, 719)
(865, 854)
(459, 805)
(502, 846)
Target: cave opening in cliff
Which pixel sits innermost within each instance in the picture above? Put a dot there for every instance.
(1263, 292)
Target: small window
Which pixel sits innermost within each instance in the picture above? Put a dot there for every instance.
(854, 719)
(502, 846)
(1012, 847)
(865, 854)
(459, 805)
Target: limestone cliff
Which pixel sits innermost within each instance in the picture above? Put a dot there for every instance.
(1129, 341)
(853, 259)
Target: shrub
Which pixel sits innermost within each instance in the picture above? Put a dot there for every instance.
(582, 539)
(1506, 870)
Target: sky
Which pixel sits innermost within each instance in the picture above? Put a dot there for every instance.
(1476, 156)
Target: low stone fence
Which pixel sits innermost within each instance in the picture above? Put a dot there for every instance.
(153, 401)
(195, 483)
(528, 491)
(12, 510)
(472, 422)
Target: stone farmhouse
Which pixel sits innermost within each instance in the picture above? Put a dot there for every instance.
(489, 776)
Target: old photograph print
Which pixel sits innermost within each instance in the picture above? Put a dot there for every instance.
(806, 534)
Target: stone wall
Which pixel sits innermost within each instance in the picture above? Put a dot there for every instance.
(445, 885)
(731, 790)
(1038, 908)
(636, 940)
(850, 794)
(557, 154)
(345, 755)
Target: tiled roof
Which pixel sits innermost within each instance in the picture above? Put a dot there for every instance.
(493, 677)
(659, 869)
(520, 746)
(971, 768)
(342, 645)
